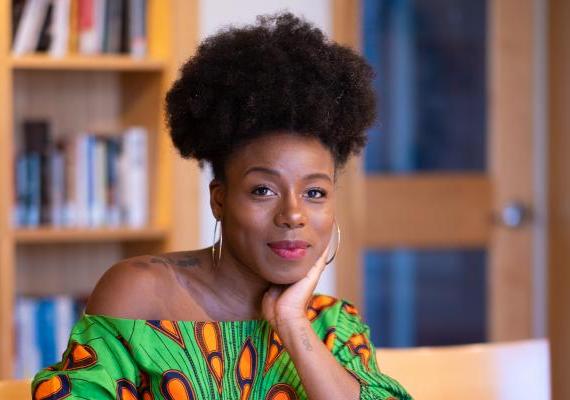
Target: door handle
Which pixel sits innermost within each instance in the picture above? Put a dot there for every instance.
(515, 215)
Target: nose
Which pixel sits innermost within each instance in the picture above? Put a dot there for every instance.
(291, 214)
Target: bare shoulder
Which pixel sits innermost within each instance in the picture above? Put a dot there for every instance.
(128, 289)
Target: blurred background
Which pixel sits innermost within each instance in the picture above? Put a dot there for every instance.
(455, 220)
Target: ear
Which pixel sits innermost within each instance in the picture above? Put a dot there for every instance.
(217, 194)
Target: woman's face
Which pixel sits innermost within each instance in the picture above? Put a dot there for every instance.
(276, 205)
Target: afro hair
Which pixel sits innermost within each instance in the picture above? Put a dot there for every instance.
(281, 74)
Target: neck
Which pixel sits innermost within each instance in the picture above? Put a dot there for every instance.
(237, 289)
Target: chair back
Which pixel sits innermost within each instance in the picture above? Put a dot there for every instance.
(505, 371)
(15, 390)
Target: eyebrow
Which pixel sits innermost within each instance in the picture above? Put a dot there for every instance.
(269, 171)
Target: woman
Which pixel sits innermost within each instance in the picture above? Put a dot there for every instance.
(276, 110)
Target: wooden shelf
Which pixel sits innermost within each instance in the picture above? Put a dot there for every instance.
(100, 235)
(85, 63)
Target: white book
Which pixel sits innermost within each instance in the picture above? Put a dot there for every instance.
(98, 210)
(65, 318)
(81, 144)
(28, 359)
(135, 174)
(60, 28)
(100, 11)
(30, 26)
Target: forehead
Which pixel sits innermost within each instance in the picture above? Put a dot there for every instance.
(290, 154)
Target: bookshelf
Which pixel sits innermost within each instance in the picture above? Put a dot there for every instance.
(100, 93)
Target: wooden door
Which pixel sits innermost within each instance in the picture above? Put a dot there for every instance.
(497, 209)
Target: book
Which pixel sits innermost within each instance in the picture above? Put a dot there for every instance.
(42, 327)
(45, 38)
(134, 173)
(60, 28)
(29, 28)
(87, 180)
(137, 28)
(113, 26)
(37, 145)
(17, 11)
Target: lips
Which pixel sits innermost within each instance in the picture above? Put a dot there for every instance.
(289, 249)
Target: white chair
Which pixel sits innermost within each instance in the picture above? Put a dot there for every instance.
(501, 371)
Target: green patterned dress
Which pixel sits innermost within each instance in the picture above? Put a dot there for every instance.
(114, 358)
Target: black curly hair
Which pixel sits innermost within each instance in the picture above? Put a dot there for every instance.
(281, 74)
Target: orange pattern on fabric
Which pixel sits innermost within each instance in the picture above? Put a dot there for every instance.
(176, 386)
(349, 308)
(126, 390)
(55, 388)
(275, 348)
(246, 368)
(209, 339)
(169, 328)
(144, 388)
(281, 391)
(330, 337)
(358, 345)
(79, 356)
(317, 304)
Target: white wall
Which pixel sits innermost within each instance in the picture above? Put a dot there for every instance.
(216, 14)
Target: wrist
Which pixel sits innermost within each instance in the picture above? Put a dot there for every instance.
(290, 327)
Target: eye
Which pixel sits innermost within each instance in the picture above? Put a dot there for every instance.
(316, 193)
(262, 191)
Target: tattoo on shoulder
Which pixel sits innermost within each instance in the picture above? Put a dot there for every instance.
(186, 261)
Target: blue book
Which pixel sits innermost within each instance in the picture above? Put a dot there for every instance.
(46, 331)
(22, 191)
(34, 196)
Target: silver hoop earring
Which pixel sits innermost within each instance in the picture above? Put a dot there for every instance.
(337, 243)
(214, 262)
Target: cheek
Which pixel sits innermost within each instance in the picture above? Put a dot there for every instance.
(246, 220)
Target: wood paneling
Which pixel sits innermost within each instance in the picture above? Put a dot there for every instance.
(510, 93)
(6, 248)
(350, 186)
(428, 211)
(559, 195)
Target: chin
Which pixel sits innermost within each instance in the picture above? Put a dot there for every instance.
(288, 277)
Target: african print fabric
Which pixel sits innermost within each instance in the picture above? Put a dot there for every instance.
(126, 359)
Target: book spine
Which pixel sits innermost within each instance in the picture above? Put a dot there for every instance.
(73, 43)
(90, 174)
(45, 37)
(65, 318)
(99, 182)
(45, 333)
(61, 17)
(22, 190)
(137, 28)
(30, 26)
(57, 179)
(99, 9)
(87, 31)
(113, 198)
(34, 179)
(113, 21)
(136, 177)
(81, 180)
(28, 359)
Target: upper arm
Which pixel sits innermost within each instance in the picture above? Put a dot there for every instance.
(126, 290)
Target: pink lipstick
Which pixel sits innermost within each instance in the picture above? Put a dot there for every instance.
(289, 249)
